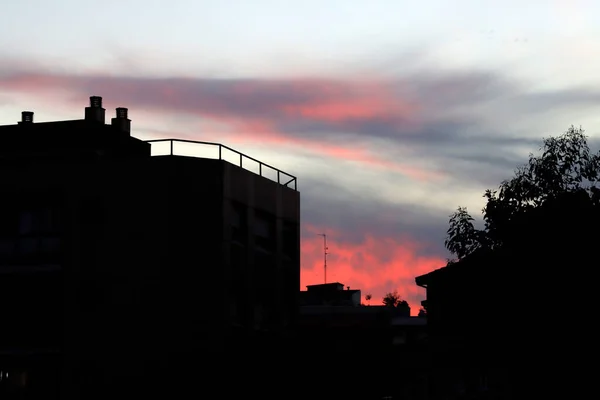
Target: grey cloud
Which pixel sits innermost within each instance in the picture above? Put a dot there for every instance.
(547, 100)
(353, 217)
(459, 88)
(437, 95)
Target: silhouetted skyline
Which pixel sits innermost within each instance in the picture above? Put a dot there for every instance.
(88, 273)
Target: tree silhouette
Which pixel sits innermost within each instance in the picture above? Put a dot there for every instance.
(462, 237)
(368, 298)
(422, 312)
(392, 299)
(565, 166)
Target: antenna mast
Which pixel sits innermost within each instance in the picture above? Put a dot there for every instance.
(325, 248)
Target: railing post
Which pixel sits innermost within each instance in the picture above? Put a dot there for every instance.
(220, 149)
(241, 157)
(278, 180)
(171, 146)
(260, 168)
(295, 184)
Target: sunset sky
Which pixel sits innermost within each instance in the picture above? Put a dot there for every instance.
(390, 113)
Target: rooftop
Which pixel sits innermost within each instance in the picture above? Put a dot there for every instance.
(326, 286)
(91, 138)
(198, 149)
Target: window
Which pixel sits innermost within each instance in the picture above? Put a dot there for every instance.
(7, 246)
(239, 223)
(264, 231)
(26, 222)
(29, 233)
(291, 246)
(35, 221)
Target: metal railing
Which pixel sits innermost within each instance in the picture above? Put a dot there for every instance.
(279, 176)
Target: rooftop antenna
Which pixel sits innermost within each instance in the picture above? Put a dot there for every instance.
(325, 248)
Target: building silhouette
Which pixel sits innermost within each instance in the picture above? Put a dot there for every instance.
(117, 264)
(360, 351)
(498, 314)
(470, 329)
(332, 294)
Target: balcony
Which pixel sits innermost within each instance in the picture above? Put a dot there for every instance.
(192, 148)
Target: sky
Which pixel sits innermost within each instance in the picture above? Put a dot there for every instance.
(390, 113)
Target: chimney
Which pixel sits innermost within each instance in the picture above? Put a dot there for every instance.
(95, 112)
(26, 117)
(121, 122)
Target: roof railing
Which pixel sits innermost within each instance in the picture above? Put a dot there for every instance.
(281, 177)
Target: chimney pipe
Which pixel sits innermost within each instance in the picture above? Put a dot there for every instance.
(95, 112)
(121, 122)
(26, 117)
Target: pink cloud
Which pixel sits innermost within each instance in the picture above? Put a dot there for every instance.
(255, 110)
(376, 265)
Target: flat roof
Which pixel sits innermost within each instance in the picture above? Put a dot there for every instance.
(218, 151)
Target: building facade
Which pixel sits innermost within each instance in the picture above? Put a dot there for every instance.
(113, 259)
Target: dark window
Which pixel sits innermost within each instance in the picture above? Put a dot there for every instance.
(264, 231)
(29, 233)
(7, 246)
(239, 223)
(26, 222)
(291, 245)
(38, 221)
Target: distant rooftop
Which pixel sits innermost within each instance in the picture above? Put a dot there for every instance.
(326, 286)
(332, 294)
(91, 138)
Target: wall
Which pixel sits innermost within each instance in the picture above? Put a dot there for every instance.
(147, 261)
(139, 275)
(264, 249)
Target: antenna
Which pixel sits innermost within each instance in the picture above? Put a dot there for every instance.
(325, 248)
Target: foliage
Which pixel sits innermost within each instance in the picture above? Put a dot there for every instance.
(565, 165)
(462, 238)
(392, 299)
(422, 312)
(368, 298)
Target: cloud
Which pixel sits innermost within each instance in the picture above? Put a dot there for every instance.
(375, 264)
(374, 245)
(265, 108)
(381, 160)
(361, 120)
